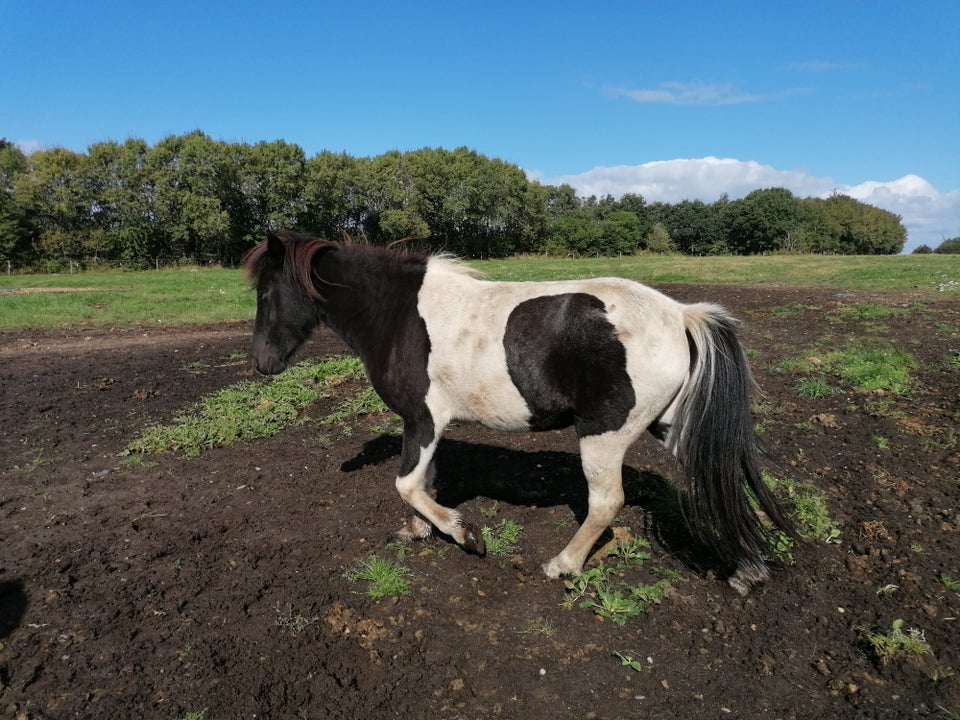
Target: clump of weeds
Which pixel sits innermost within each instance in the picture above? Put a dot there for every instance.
(605, 590)
(384, 578)
(897, 643)
(503, 538)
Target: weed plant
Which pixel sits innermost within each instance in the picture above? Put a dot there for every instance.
(897, 644)
(384, 578)
(606, 592)
(503, 538)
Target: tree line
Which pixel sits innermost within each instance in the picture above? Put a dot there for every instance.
(193, 199)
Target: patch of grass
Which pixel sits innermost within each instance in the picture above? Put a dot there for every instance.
(810, 510)
(138, 461)
(606, 592)
(158, 297)
(871, 313)
(813, 388)
(247, 410)
(875, 368)
(881, 442)
(897, 644)
(203, 295)
(868, 368)
(949, 583)
(793, 309)
(384, 578)
(539, 626)
(195, 715)
(503, 538)
(365, 402)
(923, 274)
(491, 510)
(599, 590)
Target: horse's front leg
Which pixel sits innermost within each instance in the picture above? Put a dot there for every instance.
(415, 485)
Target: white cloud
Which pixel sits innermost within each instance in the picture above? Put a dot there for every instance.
(679, 93)
(928, 214)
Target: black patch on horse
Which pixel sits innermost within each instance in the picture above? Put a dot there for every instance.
(565, 358)
(370, 301)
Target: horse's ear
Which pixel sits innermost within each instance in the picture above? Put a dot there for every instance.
(275, 248)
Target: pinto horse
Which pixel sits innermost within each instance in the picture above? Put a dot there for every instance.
(608, 356)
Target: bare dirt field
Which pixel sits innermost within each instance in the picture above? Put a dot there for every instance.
(174, 586)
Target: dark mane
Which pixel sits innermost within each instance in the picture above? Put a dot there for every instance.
(300, 251)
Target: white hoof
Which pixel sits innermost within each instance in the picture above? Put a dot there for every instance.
(559, 567)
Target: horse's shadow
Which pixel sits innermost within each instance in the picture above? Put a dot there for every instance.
(13, 606)
(466, 471)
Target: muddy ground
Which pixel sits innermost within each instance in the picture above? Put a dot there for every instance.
(216, 584)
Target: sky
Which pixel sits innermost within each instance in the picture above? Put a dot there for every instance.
(670, 99)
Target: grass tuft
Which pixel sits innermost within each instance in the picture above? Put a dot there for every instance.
(897, 644)
(503, 538)
(384, 578)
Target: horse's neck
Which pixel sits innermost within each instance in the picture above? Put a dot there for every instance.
(370, 303)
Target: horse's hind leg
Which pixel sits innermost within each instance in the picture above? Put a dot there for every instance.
(415, 482)
(602, 459)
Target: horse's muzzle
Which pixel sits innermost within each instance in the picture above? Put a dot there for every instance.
(270, 365)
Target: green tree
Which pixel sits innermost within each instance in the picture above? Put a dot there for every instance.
(57, 199)
(334, 195)
(621, 233)
(765, 221)
(263, 190)
(694, 227)
(949, 247)
(847, 226)
(658, 239)
(15, 228)
(119, 182)
(188, 182)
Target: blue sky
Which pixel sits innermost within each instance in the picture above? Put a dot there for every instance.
(673, 100)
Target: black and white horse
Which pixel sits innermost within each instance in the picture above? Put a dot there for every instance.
(608, 356)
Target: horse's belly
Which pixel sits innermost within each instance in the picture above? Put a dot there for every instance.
(477, 395)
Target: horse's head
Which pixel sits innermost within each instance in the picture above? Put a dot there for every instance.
(281, 269)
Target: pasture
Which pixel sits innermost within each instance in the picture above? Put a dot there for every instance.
(181, 538)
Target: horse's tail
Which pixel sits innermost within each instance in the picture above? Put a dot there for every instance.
(716, 446)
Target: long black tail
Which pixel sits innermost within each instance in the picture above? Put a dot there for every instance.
(716, 445)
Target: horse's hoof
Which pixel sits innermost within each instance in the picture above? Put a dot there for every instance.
(414, 529)
(747, 576)
(473, 541)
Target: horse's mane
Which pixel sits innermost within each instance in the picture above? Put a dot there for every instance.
(301, 250)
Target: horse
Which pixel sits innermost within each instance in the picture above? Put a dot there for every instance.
(608, 356)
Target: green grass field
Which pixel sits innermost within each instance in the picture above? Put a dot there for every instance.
(195, 295)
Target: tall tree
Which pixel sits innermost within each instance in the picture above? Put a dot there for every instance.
(188, 183)
(764, 221)
(15, 228)
(56, 196)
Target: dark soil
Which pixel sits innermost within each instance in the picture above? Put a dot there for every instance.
(179, 585)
